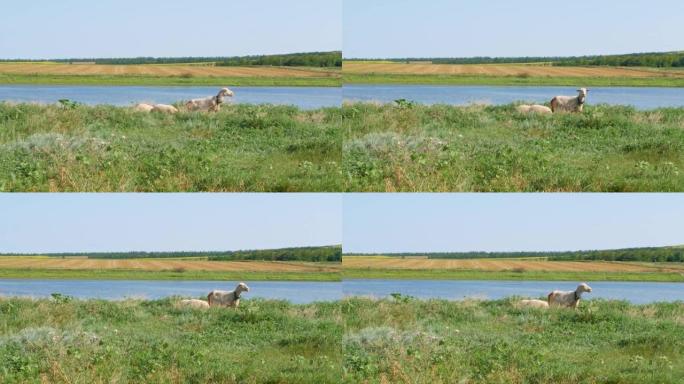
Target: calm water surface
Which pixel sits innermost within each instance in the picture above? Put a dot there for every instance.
(295, 292)
(640, 98)
(303, 97)
(635, 292)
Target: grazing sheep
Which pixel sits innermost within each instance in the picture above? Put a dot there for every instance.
(164, 108)
(227, 298)
(211, 104)
(142, 107)
(194, 304)
(541, 109)
(533, 304)
(568, 298)
(568, 103)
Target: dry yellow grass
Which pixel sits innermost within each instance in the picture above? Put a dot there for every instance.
(372, 262)
(532, 70)
(25, 262)
(163, 70)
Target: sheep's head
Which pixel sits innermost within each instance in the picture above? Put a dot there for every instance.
(582, 94)
(226, 92)
(583, 288)
(242, 287)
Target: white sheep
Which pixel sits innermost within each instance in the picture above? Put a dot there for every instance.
(568, 298)
(533, 304)
(211, 104)
(227, 298)
(143, 107)
(541, 109)
(164, 108)
(569, 103)
(194, 304)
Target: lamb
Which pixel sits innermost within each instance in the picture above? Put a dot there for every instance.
(533, 304)
(211, 104)
(143, 107)
(194, 304)
(568, 298)
(541, 109)
(164, 108)
(568, 103)
(227, 298)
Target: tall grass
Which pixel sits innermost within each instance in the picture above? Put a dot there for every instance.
(104, 148)
(410, 341)
(493, 148)
(65, 341)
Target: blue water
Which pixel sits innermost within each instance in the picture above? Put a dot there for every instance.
(641, 98)
(635, 292)
(295, 292)
(303, 97)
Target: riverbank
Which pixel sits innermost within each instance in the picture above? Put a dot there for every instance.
(411, 147)
(243, 148)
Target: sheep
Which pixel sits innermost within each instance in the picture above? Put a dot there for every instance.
(533, 304)
(568, 298)
(194, 304)
(211, 104)
(227, 298)
(142, 107)
(568, 103)
(164, 108)
(541, 109)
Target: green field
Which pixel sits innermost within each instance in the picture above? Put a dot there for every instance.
(411, 147)
(436, 274)
(137, 80)
(256, 148)
(411, 79)
(119, 274)
(436, 341)
(64, 341)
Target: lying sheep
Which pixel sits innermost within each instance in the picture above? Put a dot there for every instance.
(211, 104)
(541, 109)
(568, 298)
(568, 103)
(227, 298)
(533, 304)
(142, 107)
(164, 108)
(194, 304)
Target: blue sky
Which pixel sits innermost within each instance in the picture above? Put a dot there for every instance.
(510, 222)
(465, 28)
(167, 222)
(131, 28)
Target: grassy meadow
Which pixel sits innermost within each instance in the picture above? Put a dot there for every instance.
(412, 147)
(404, 340)
(368, 72)
(255, 148)
(50, 73)
(94, 341)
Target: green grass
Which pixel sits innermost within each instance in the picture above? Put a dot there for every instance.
(436, 341)
(256, 148)
(125, 274)
(94, 341)
(442, 274)
(494, 148)
(325, 81)
(660, 81)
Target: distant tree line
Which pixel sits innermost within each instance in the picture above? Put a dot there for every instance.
(655, 254)
(308, 59)
(312, 254)
(659, 60)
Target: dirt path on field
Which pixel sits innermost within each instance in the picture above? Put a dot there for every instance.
(504, 70)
